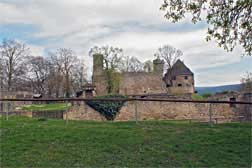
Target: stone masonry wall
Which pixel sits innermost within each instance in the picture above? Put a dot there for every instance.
(141, 83)
(174, 111)
(101, 84)
(158, 111)
(82, 111)
(187, 84)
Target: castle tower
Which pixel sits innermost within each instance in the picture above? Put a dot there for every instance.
(97, 65)
(99, 78)
(158, 66)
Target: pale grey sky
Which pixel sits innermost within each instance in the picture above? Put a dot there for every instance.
(137, 26)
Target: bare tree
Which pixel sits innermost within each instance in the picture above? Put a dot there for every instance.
(113, 56)
(79, 75)
(55, 79)
(68, 62)
(135, 65)
(38, 74)
(125, 64)
(63, 61)
(113, 61)
(247, 82)
(132, 64)
(13, 54)
(169, 54)
(2, 77)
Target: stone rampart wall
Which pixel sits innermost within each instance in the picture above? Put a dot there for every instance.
(158, 111)
(82, 111)
(141, 83)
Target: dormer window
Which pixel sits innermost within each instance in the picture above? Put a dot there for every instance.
(186, 77)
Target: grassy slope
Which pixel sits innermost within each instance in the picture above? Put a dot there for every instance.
(32, 143)
(197, 97)
(45, 107)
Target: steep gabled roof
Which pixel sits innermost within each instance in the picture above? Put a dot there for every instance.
(179, 68)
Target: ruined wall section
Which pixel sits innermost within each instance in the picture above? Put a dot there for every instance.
(246, 110)
(159, 111)
(243, 111)
(128, 83)
(82, 111)
(175, 111)
(141, 83)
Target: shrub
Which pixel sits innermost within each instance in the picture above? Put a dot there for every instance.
(197, 97)
(206, 95)
(224, 92)
(108, 109)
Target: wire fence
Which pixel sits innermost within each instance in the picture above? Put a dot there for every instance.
(133, 109)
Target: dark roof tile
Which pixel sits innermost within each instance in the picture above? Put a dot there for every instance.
(179, 68)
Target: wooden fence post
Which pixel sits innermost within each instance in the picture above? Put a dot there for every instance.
(136, 112)
(66, 112)
(210, 114)
(7, 110)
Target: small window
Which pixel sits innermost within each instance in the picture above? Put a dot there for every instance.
(174, 78)
(186, 77)
(179, 85)
(167, 85)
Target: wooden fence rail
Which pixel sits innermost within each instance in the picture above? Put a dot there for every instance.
(127, 99)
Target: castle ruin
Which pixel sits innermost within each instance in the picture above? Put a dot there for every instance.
(177, 80)
(176, 83)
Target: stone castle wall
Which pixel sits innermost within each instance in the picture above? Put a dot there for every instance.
(174, 111)
(129, 82)
(82, 111)
(133, 83)
(141, 83)
(144, 82)
(101, 84)
(158, 111)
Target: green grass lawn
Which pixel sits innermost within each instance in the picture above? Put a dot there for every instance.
(45, 107)
(197, 97)
(51, 144)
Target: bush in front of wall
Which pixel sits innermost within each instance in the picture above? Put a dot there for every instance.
(206, 95)
(108, 109)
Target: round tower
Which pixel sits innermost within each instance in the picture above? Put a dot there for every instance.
(97, 65)
(99, 77)
(158, 66)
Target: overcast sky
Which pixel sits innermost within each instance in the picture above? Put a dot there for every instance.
(137, 26)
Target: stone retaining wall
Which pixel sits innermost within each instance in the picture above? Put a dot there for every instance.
(158, 111)
(82, 111)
